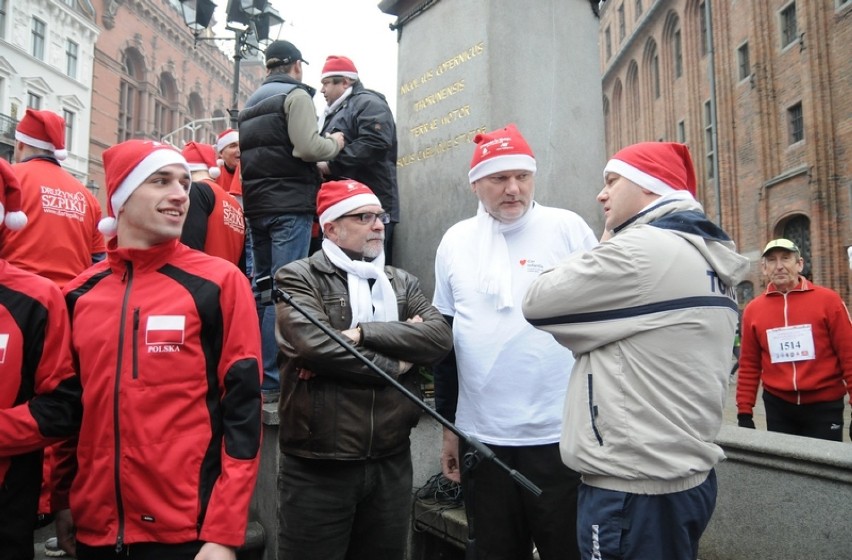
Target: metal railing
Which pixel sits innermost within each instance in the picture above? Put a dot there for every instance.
(190, 131)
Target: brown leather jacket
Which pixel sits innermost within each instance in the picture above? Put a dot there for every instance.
(345, 411)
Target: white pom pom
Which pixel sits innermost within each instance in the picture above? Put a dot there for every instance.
(108, 226)
(214, 172)
(60, 154)
(15, 220)
(220, 162)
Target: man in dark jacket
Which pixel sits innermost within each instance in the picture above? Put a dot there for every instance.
(366, 121)
(345, 474)
(279, 147)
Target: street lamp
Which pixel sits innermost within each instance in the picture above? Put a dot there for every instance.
(248, 19)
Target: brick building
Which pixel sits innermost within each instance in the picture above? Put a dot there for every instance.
(149, 79)
(781, 117)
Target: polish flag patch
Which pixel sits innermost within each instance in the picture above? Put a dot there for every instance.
(4, 342)
(165, 329)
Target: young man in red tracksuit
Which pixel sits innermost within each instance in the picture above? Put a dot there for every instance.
(797, 341)
(168, 350)
(39, 391)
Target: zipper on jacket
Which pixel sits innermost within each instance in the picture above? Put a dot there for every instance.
(119, 506)
(593, 412)
(342, 307)
(372, 422)
(135, 343)
(795, 380)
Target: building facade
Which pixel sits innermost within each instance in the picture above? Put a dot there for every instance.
(151, 78)
(760, 91)
(46, 57)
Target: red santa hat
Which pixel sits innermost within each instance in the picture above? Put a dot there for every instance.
(660, 167)
(226, 138)
(336, 198)
(501, 150)
(10, 198)
(339, 66)
(126, 166)
(201, 157)
(44, 130)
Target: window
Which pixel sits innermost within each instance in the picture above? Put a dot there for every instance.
(39, 32)
(130, 96)
(743, 61)
(677, 53)
(621, 28)
(33, 101)
(71, 55)
(789, 29)
(69, 129)
(796, 124)
(608, 43)
(638, 8)
(702, 26)
(655, 75)
(681, 132)
(165, 106)
(708, 138)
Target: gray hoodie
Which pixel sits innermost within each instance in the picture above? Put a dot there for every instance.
(650, 316)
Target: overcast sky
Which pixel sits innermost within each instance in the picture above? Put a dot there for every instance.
(353, 28)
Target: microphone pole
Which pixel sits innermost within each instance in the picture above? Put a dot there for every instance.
(481, 451)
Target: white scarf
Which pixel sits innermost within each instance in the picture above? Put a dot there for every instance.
(494, 271)
(333, 107)
(378, 304)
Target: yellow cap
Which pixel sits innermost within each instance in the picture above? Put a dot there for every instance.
(782, 243)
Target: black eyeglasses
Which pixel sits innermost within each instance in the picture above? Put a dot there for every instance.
(369, 218)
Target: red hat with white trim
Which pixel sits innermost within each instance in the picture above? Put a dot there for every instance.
(660, 167)
(339, 66)
(201, 157)
(10, 198)
(44, 130)
(336, 198)
(127, 166)
(226, 138)
(500, 150)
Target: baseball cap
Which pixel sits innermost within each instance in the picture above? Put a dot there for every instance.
(781, 243)
(279, 53)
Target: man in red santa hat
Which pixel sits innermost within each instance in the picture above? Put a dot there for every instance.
(169, 357)
(650, 315)
(214, 223)
(62, 239)
(39, 390)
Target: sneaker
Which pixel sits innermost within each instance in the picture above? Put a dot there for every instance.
(51, 548)
(270, 396)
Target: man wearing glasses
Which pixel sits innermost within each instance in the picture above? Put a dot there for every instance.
(796, 341)
(345, 474)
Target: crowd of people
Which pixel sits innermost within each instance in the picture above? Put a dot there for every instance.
(137, 348)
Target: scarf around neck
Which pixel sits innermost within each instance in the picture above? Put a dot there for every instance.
(333, 107)
(494, 271)
(368, 304)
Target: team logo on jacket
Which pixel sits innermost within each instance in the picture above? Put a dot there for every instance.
(63, 203)
(164, 333)
(531, 266)
(4, 342)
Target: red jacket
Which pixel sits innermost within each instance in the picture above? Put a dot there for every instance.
(168, 347)
(214, 223)
(62, 233)
(39, 391)
(230, 182)
(805, 381)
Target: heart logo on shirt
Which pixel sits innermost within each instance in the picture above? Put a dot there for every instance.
(523, 262)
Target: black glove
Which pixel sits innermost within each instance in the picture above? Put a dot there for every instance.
(745, 421)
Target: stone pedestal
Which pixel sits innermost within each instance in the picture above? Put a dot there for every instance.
(468, 66)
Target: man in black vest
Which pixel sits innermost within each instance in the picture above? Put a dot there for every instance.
(279, 147)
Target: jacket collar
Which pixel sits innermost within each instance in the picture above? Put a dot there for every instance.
(802, 286)
(320, 261)
(288, 79)
(152, 258)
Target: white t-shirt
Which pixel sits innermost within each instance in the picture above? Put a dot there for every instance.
(512, 377)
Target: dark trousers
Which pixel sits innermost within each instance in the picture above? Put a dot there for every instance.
(140, 551)
(344, 510)
(622, 526)
(19, 493)
(507, 519)
(817, 420)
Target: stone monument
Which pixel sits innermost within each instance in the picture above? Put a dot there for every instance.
(469, 66)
